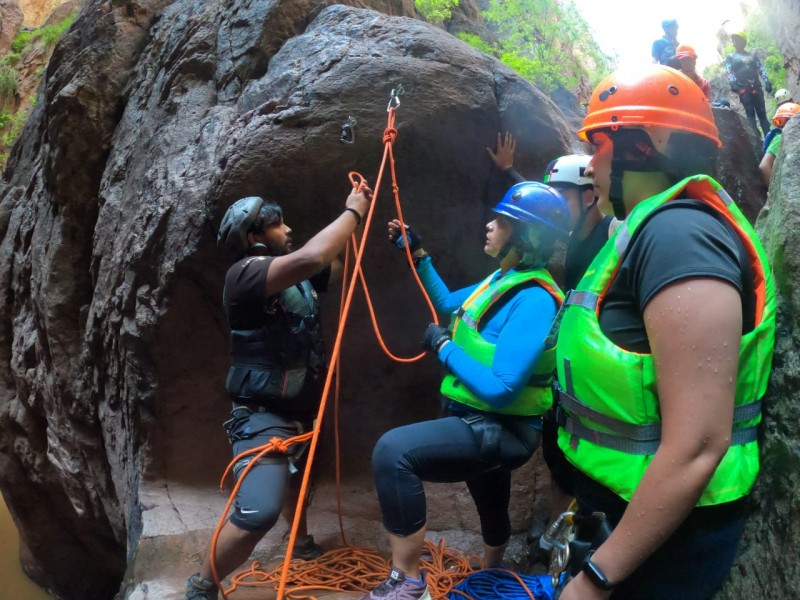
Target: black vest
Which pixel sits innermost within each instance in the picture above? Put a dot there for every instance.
(277, 365)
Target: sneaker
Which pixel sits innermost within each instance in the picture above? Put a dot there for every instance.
(198, 588)
(397, 587)
(308, 550)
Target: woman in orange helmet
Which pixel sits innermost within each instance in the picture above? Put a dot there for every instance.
(785, 112)
(663, 352)
(687, 58)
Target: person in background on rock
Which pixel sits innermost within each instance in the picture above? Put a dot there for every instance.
(782, 96)
(498, 384)
(782, 115)
(663, 352)
(743, 69)
(590, 231)
(278, 362)
(663, 50)
(687, 62)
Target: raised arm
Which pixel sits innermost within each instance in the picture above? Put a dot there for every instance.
(321, 250)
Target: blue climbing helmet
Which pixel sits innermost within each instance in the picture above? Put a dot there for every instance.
(536, 205)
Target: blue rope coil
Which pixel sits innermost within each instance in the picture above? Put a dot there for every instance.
(493, 584)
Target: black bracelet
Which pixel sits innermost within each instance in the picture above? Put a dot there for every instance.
(595, 574)
(417, 260)
(355, 213)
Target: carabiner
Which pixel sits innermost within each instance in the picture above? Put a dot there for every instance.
(348, 133)
(560, 534)
(394, 97)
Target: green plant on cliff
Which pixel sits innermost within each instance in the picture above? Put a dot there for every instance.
(435, 11)
(545, 41)
(8, 82)
(15, 124)
(49, 35)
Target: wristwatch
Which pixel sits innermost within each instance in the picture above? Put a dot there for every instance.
(595, 574)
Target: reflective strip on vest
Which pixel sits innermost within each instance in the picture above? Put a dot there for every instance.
(537, 396)
(610, 420)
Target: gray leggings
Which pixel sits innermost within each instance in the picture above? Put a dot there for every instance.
(262, 495)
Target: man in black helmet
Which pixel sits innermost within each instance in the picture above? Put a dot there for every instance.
(663, 50)
(744, 69)
(270, 300)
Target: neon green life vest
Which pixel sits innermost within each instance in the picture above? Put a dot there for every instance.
(610, 421)
(537, 396)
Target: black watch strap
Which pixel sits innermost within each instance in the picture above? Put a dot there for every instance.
(595, 574)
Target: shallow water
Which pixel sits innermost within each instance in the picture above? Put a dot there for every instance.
(13, 582)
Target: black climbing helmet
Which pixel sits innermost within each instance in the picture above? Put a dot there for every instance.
(236, 223)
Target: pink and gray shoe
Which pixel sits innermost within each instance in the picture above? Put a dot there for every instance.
(397, 587)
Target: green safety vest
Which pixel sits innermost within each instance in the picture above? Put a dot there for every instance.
(537, 396)
(609, 417)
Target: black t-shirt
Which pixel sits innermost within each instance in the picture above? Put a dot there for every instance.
(581, 253)
(245, 291)
(684, 239)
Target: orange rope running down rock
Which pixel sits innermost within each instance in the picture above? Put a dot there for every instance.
(302, 577)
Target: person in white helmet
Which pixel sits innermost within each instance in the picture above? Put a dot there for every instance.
(782, 96)
(590, 231)
(590, 228)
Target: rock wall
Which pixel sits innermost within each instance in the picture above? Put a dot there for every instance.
(38, 11)
(767, 565)
(10, 22)
(155, 116)
(784, 17)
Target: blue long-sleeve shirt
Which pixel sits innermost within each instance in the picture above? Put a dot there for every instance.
(517, 328)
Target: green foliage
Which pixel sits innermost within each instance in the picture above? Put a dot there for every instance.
(15, 124)
(49, 35)
(5, 119)
(10, 59)
(436, 11)
(476, 41)
(8, 82)
(545, 41)
(22, 40)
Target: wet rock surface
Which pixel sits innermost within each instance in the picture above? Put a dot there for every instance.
(766, 563)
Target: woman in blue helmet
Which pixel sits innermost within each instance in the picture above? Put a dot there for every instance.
(498, 384)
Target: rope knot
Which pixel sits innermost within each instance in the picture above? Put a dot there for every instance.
(280, 445)
(389, 135)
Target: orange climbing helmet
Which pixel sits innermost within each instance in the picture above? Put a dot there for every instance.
(654, 97)
(784, 113)
(685, 51)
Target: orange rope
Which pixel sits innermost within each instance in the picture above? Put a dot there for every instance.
(352, 569)
(345, 313)
(331, 571)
